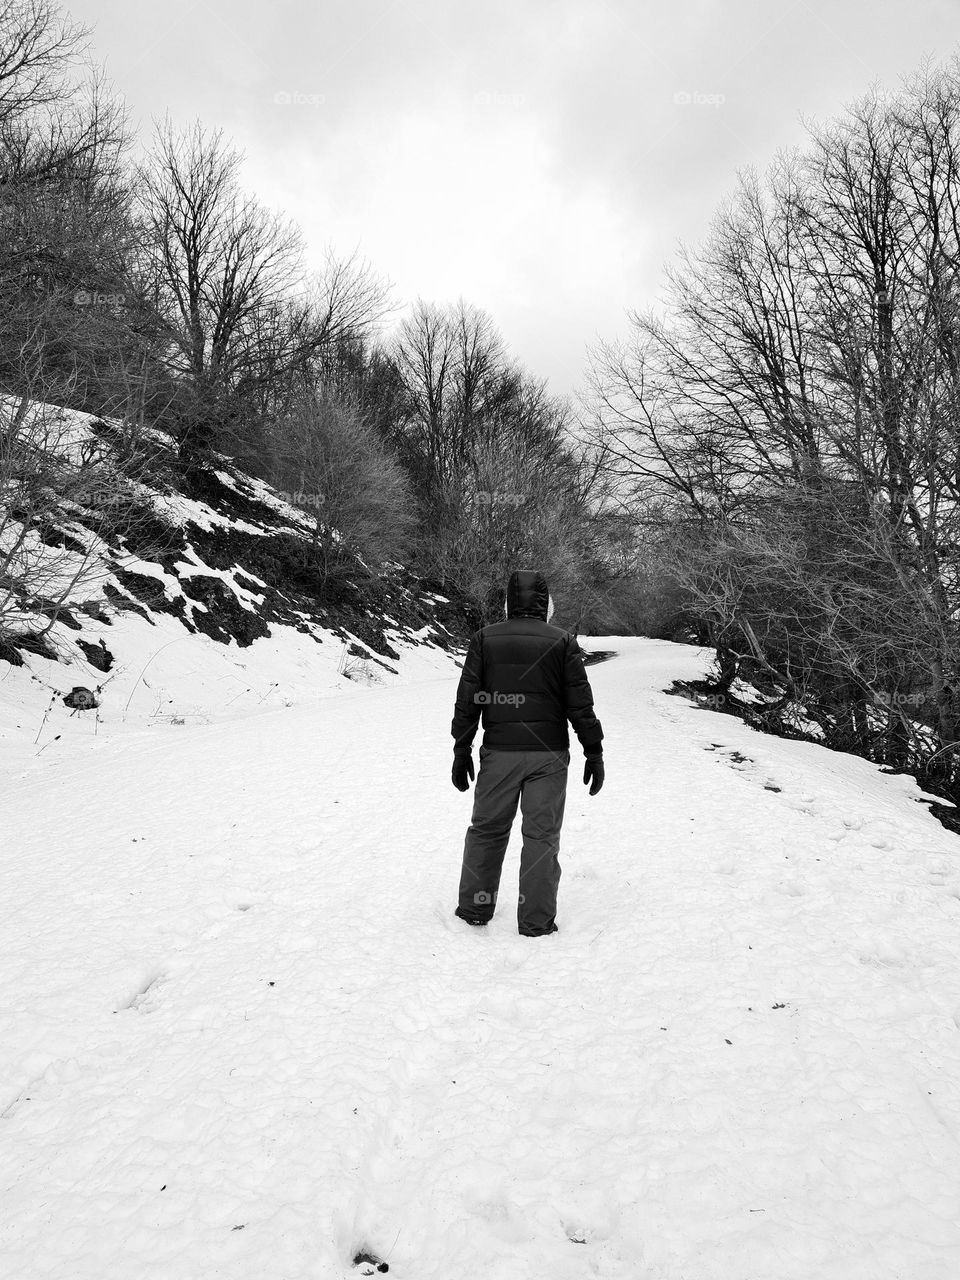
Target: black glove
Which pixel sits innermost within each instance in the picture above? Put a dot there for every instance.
(462, 770)
(593, 773)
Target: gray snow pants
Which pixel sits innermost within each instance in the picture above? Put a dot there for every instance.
(537, 780)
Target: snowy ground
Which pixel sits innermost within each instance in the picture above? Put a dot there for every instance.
(164, 676)
(242, 1036)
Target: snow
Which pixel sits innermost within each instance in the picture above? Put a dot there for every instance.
(179, 510)
(164, 674)
(243, 1036)
(269, 497)
(67, 431)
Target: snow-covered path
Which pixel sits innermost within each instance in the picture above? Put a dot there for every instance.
(242, 1036)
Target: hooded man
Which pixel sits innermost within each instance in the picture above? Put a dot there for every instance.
(527, 680)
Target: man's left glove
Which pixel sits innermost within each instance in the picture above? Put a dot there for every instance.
(462, 770)
(593, 773)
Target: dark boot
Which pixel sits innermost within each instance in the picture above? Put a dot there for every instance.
(459, 913)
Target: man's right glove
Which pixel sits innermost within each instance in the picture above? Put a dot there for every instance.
(462, 770)
(593, 773)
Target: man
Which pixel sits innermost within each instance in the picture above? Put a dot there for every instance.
(527, 680)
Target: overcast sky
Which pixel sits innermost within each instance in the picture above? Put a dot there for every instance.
(540, 158)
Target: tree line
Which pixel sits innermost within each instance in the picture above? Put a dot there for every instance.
(785, 431)
(159, 295)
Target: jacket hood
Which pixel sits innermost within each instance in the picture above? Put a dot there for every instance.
(528, 595)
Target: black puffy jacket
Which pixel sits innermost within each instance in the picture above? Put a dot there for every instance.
(526, 679)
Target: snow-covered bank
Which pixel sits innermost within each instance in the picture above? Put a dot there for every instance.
(165, 678)
(241, 1034)
(192, 598)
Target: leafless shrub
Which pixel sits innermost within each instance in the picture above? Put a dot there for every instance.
(353, 494)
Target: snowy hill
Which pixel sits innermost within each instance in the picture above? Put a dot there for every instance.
(193, 602)
(242, 1035)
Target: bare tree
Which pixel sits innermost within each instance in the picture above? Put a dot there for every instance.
(789, 426)
(38, 46)
(65, 230)
(213, 259)
(224, 274)
(455, 377)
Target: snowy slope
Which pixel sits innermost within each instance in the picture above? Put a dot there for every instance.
(242, 1036)
(191, 600)
(164, 677)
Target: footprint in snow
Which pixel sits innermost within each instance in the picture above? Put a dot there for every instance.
(737, 758)
(142, 996)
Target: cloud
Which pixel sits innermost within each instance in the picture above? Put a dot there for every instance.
(541, 159)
